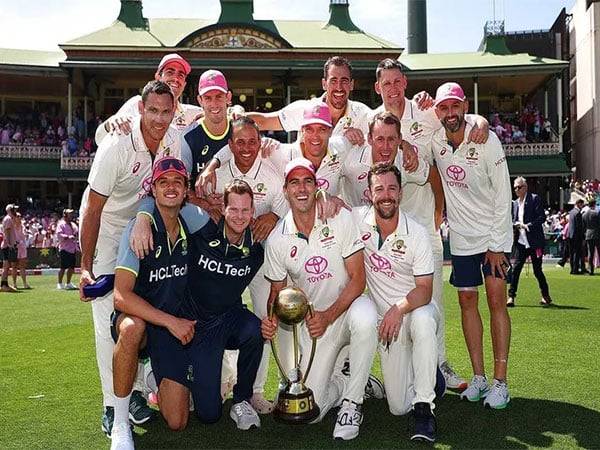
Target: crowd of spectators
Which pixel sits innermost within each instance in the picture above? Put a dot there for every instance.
(45, 129)
(522, 127)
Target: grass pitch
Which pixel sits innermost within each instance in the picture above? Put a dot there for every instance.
(50, 392)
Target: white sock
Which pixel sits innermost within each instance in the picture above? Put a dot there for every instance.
(122, 409)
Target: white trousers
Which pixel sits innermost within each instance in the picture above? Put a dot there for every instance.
(437, 300)
(356, 328)
(409, 364)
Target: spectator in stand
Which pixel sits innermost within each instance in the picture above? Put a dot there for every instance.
(21, 252)
(9, 247)
(67, 233)
(591, 224)
(5, 135)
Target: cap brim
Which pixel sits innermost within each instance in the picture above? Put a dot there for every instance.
(212, 88)
(449, 97)
(183, 63)
(317, 121)
(296, 168)
(170, 170)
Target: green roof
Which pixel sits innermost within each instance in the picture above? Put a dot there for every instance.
(21, 57)
(170, 32)
(554, 165)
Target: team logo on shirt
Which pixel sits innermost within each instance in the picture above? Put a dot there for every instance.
(167, 151)
(347, 122)
(214, 243)
(325, 232)
(456, 175)
(416, 129)
(158, 251)
(380, 264)
(260, 188)
(184, 248)
(180, 121)
(204, 150)
(322, 183)
(472, 157)
(327, 238)
(136, 167)
(316, 267)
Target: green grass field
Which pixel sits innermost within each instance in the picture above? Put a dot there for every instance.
(50, 395)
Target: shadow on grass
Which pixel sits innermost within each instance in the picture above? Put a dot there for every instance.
(553, 306)
(525, 423)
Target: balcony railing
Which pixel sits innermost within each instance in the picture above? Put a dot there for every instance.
(29, 152)
(75, 163)
(532, 149)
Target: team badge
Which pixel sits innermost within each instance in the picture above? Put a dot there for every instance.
(325, 232)
(399, 244)
(245, 251)
(204, 150)
(260, 187)
(158, 251)
(190, 373)
(184, 248)
(348, 122)
(214, 243)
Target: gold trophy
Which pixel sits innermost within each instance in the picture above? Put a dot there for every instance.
(296, 402)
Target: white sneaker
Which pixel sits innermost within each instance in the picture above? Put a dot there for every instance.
(244, 416)
(497, 397)
(478, 389)
(374, 388)
(121, 438)
(60, 286)
(348, 420)
(70, 287)
(453, 381)
(260, 404)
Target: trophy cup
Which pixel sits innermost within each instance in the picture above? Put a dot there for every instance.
(296, 403)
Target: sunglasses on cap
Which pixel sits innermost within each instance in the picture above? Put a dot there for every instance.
(169, 163)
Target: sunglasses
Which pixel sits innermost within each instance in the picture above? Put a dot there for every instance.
(170, 163)
(517, 188)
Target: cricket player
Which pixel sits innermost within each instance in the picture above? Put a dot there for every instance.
(478, 198)
(120, 177)
(325, 260)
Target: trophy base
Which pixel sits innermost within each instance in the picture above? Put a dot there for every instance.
(296, 408)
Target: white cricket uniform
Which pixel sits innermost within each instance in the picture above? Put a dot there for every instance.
(477, 191)
(417, 128)
(409, 364)
(315, 264)
(266, 184)
(122, 172)
(357, 115)
(355, 170)
(184, 115)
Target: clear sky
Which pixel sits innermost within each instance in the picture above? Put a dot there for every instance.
(453, 25)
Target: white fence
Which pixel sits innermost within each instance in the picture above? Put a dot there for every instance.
(532, 149)
(75, 163)
(29, 152)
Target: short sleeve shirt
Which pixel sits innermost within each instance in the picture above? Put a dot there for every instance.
(392, 265)
(314, 263)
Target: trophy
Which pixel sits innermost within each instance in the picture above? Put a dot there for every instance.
(296, 402)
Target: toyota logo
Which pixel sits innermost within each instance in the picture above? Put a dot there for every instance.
(316, 265)
(380, 262)
(322, 183)
(457, 173)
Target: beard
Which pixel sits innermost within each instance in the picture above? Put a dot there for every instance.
(386, 212)
(453, 128)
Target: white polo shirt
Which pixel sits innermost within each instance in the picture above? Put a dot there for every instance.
(477, 191)
(391, 267)
(357, 115)
(184, 115)
(355, 170)
(266, 184)
(122, 172)
(314, 263)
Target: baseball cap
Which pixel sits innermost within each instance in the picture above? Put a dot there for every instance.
(212, 79)
(299, 163)
(168, 164)
(317, 113)
(174, 57)
(449, 91)
(67, 211)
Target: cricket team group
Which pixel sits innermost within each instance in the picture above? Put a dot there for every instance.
(189, 205)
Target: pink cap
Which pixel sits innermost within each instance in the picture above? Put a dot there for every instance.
(449, 91)
(299, 163)
(212, 79)
(317, 112)
(174, 57)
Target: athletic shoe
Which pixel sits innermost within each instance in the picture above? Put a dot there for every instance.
(478, 389)
(26, 286)
(453, 381)
(122, 438)
(348, 420)
(260, 404)
(244, 416)
(107, 420)
(510, 302)
(498, 397)
(546, 301)
(70, 287)
(7, 288)
(60, 286)
(139, 411)
(374, 388)
(440, 384)
(424, 426)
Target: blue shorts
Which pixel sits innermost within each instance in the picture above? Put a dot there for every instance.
(467, 270)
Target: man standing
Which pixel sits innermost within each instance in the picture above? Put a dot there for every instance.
(576, 235)
(477, 191)
(325, 260)
(9, 247)
(119, 178)
(399, 268)
(172, 70)
(528, 216)
(66, 232)
(591, 224)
